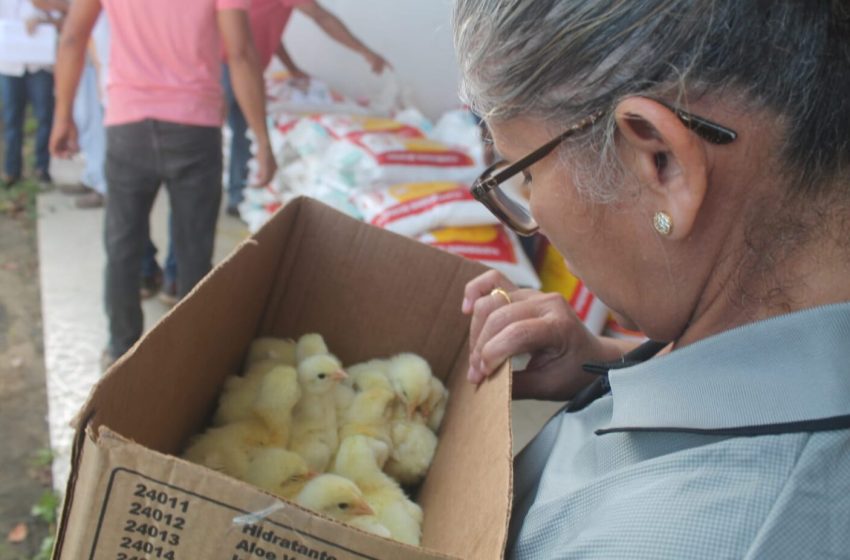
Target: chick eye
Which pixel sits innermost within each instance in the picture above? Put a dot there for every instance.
(342, 506)
(322, 375)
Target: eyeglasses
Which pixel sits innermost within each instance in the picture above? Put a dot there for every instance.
(504, 190)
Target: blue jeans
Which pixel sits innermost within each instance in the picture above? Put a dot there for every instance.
(37, 88)
(240, 145)
(88, 116)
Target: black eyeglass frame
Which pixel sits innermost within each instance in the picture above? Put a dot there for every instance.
(485, 189)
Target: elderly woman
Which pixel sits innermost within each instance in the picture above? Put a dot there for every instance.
(691, 160)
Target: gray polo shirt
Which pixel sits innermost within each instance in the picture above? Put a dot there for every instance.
(737, 446)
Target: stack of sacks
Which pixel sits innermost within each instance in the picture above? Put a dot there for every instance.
(341, 444)
(330, 156)
(283, 94)
(445, 215)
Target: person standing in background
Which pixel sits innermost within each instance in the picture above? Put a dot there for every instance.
(163, 119)
(268, 21)
(27, 83)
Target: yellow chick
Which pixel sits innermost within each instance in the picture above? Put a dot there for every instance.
(410, 376)
(227, 448)
(370, 374)
(238, 394)
(434, 407)
(281, 350)
(311, 344)
(344, 395)
(334, 496)
(276, 396)
(276, 470)
(369, 415)
(314, 423)
(370, 524)
(360, 459)
(413, 448)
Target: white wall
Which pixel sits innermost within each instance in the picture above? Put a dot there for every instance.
(413, 35)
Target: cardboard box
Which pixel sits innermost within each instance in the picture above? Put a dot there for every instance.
(310, 269)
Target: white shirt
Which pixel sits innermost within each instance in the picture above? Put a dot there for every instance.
(20, 10)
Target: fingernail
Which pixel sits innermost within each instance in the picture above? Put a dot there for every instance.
(466, 306)
(472, 375)
(482, 366)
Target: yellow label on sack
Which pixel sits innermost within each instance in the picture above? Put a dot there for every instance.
(412, 191)
(424, 145)
(372, 124)
(555, 276)
(479, 234)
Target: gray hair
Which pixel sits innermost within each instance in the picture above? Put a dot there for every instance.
(562, 60)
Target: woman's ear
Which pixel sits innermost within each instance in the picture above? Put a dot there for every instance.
(667, 158)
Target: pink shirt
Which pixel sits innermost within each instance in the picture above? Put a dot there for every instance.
(164, 61)
(268, 20)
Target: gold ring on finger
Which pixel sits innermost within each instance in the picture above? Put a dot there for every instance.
(501, 292)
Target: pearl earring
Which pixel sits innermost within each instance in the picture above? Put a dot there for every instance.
(663, 222)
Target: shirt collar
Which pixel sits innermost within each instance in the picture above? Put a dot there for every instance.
(787, 373)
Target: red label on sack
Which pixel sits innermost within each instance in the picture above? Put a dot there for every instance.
(419, 206)
(388, 149)
(486, 243)
(582, 300)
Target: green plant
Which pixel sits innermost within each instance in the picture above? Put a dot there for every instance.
(45, 549)
(42, 457)
(45, 508)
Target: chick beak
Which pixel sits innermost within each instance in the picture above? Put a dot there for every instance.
(310, 475)
(339, 375)
(425, 410)
(362, 508)
(411, 410)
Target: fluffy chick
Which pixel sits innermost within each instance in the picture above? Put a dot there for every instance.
(276, 396)
(314, 422)
(281, 350)
(276, 470)
(410, 376)
(239, 393)
(334, 496)
(360, 459)
(369, 415)
(434, 407)
(413, 448)
(370, 374)
(311, 344)
(227, 448)
(344, 395)
(370, 524)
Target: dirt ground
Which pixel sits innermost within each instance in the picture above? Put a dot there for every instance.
(24, 453)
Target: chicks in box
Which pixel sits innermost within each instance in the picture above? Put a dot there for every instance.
(339, 441)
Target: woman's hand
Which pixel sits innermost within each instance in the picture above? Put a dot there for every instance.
(542, 325)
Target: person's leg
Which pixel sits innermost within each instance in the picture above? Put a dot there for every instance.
(240, 145)
(171, 258)
(88, 116)
(151, 272)
(133, 180)
(168, 293)
(193, 179)
(40, 92)
(14, 97)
